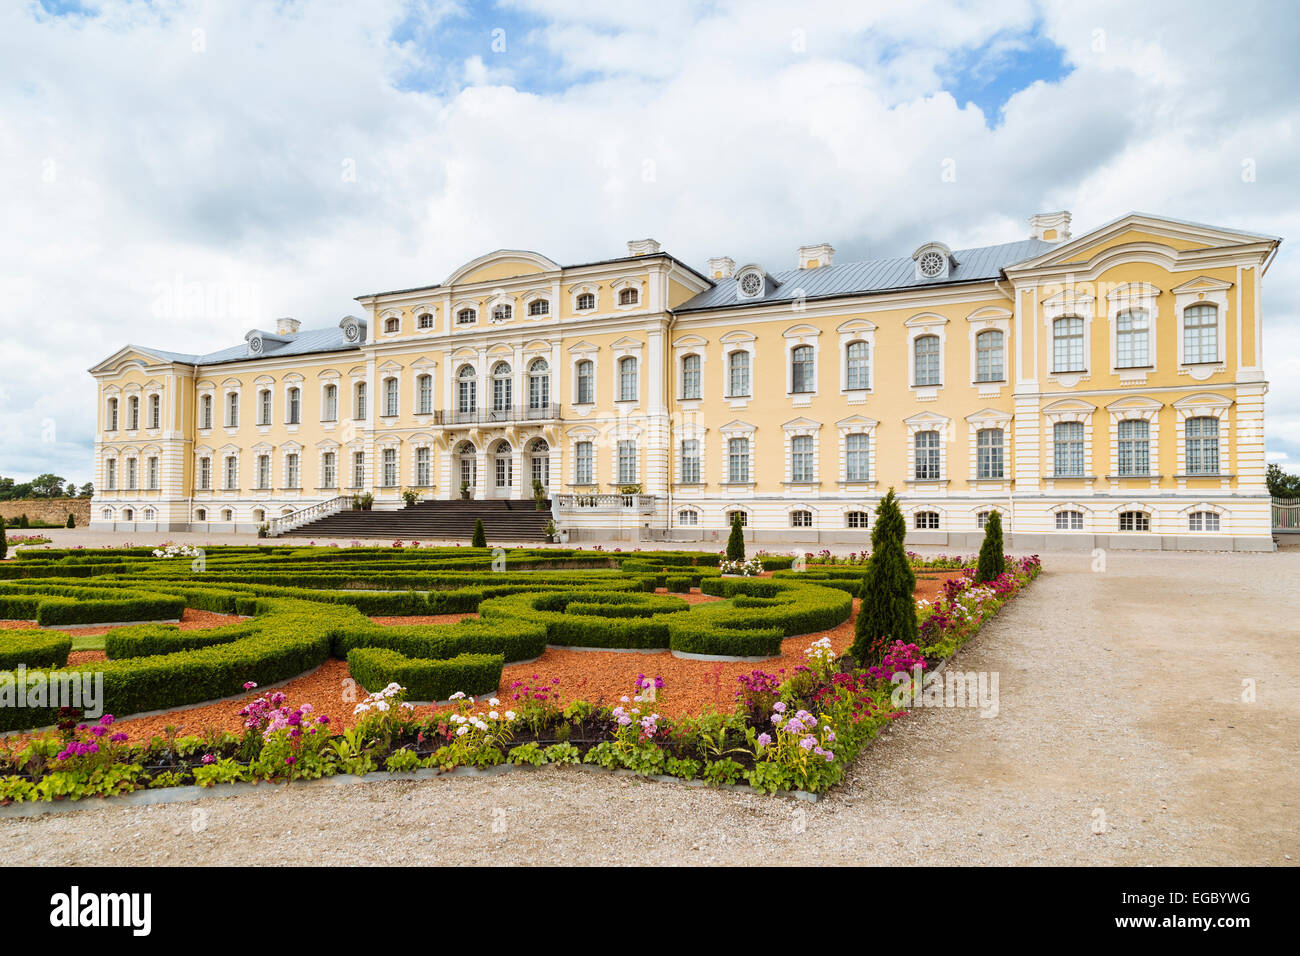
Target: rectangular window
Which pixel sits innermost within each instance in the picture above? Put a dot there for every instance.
(425, 406)
(690, 461)
(263, 472)
(802, 377)
(1203, 446)
(627, 384)
(802, 463)
(926, 358)
(390, 467)
(131, 477)
(738, 460)
(1067, 442)
(291, 471)
(988, 453)
(582, 463)
(1203, 521)
(330, 407)
(205, 412)
(133, 413)
(232, 410)
(327, 475)
(358, 469)
(688, 518)
(205, 474)
(110, 474)
(232, 473)
(153, 474)
(1134, 521)
(390, 398)
(423, 474)
(264, 407)
(359, 401)
(155, 411)
(927, 456)
(857, 457)
(1131, 339)
(626, 462)
(111, 425)
(1134, 448)
(295, 406)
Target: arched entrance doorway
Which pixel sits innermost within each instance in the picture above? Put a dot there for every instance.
(539, 463)
(466, 468)
(503, 470)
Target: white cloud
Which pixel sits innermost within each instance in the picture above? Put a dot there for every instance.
(289, 165)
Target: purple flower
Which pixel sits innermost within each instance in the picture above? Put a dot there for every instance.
(208, 758)
(764, 740)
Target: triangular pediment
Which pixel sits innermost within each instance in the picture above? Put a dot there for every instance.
(1202, 284)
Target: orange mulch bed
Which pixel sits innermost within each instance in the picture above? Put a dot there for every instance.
(596, 676)
(191, 620)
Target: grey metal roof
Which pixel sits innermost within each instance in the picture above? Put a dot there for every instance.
(873, 275)
(274, 345)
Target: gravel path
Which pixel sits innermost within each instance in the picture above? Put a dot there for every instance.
(1120, 704)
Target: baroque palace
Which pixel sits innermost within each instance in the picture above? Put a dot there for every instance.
(1103, 390)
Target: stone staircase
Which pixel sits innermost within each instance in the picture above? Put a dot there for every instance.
(505, 521)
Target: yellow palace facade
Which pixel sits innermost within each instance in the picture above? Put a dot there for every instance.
(1099, 390)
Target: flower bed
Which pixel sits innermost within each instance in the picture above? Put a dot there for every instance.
(797, 732)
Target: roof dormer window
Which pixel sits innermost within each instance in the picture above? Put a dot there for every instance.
(933, 261)
(751, 282)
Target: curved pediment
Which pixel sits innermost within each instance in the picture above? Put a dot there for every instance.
(502, 264)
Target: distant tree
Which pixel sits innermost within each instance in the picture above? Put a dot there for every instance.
(992, 558)
(87, 490)
(48, 486)
(71, 491)
(11, 490)
(480, 536)
(736, 541)
(1281, 484)
(887, 611)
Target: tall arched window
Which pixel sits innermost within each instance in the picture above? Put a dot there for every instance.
(505, 465)
(295, 406)
(738, 460)
(1200, 334)
(927, 456)
(738, 374)
(1131, 339)
(540, 454)
(502, 387)
(857, 367)
(1067, 344)
(155, 411)
(424, 395)
(390, 398)
(328, 470)
(627, 379)
(264, 406)
(585, 382)
(205, 412)
(1067, 442)
(691, 376)
(1134, 448)
(925, 351)
(1203, 446)
(989, 363)
(111, 417)
(232, 410)
(539, 385)
(801, 369)
(330, 404)
(133, 413)
(988, 453)
(466, 394)
(802, 458)
(359, 401)
(423, 473)
(583, 463)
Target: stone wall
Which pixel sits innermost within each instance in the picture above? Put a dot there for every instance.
(50, 510)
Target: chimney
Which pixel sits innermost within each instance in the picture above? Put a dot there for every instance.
(642, 247)
(1050, 226)
(814, 257)
(287, 326)
(723, 267)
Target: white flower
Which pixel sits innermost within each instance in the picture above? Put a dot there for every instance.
(493, 715)
(381, 705)
(458, 695)
(461, 731)
(494, 702)
(510, 715)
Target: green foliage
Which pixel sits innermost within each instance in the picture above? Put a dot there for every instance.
(72, 520)
(4, 542)
(992, 557)
(33, 649)
(375, 667)
(888, 608)
(736, 540)
(480, 536)
(1281, 484)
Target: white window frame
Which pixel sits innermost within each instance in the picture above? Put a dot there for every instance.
(918, 326)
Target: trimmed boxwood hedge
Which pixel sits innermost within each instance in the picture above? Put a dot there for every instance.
(33, 649)
(375, 667)
(308, 604)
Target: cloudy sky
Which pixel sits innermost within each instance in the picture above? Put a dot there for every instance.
(176, 173)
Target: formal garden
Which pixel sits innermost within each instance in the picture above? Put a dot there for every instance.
(135, 668)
